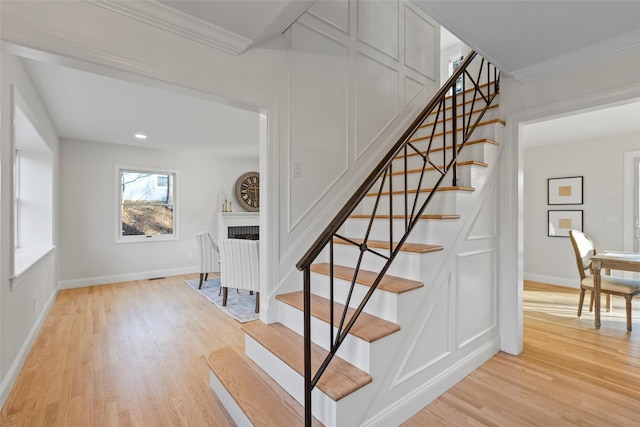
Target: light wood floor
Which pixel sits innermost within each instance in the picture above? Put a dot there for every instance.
(134, 354)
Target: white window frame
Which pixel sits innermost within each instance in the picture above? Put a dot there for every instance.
(119, 238)
(31, 232)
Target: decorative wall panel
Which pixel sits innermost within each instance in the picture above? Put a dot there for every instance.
(319, 71)
(334, 13)
(411, 89)
(378, 26)
(432, 343)
(476, 286)
(420, 44)
(377, 100)
(484, 227)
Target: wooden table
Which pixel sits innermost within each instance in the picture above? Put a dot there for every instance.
(627, 261)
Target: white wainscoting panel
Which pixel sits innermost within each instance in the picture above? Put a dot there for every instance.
(432, 342)
(319, 71)
(379, 26)
(377, 102)
(485, 224)
(411, 88)
(419, 43)
(476, 294)
(335, 13)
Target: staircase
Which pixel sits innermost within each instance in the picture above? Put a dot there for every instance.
(380, 287)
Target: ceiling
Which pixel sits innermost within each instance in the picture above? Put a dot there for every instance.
(525, 39)
(91, 107)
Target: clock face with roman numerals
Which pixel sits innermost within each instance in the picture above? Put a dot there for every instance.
(248, 191)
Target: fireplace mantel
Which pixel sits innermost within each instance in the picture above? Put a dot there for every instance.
(235, 219)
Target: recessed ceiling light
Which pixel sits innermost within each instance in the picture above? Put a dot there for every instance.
(140, 136)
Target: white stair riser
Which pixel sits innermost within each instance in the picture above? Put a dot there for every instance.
(406, 264)
(442, 202)
(481, 152)
(427, 230)
(465, 178)
(323, 407)
(382, 304)
(229, 403)
(353, 349)
(484, 131)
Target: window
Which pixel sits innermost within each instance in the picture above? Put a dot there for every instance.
(147, 205)
(453, 66)
(32, 190)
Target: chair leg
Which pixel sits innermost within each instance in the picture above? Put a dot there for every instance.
(581, 302)
(608, 302)
(257, 302)
(225, 293)
(628, 298)
(591, 302)
(201, 277)
(206, 276)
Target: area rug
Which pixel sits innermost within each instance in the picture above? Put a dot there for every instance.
(241, 306)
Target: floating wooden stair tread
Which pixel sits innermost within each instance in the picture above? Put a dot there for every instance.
(439, 134)
(449, 147)
(389, 283)
(400, 216)
(424, 190)
(431, 168)
(420, 248)
(368, 328)
(339, 380)
(242, 377)
(459, 116)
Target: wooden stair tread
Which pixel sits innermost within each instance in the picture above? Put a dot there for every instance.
(431, 168)
(424, 190)
(401, 216)
(487, 122)
(448, 147)
(459, 116)
(389, 283)
(368, 328)
(421, 248)
(339, 380)
(242, 377)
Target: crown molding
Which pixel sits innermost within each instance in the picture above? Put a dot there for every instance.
(177, 22)
(618, 45)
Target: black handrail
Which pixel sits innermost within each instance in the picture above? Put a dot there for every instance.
(413, 209)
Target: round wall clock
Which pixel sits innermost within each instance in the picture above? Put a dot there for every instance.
(248, 191)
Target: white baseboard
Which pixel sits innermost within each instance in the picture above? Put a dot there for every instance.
(552, 280)
(12, 374)
(403, 409)
(117, 278)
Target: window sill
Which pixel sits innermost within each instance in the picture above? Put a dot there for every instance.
(27, 258)
(148, 239)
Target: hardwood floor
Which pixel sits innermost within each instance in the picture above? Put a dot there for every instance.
(568, 374)
(134, 354)
(128, 354)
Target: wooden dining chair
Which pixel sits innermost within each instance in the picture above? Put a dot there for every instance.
(584, 249)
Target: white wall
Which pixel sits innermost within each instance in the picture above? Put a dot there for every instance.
(551, 259)
(386, 64)
(88, 199)
(23, 305)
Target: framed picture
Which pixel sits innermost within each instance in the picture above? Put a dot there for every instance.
(564, 191)
(560, 222)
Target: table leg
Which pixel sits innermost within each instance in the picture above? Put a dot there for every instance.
(597, 266)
